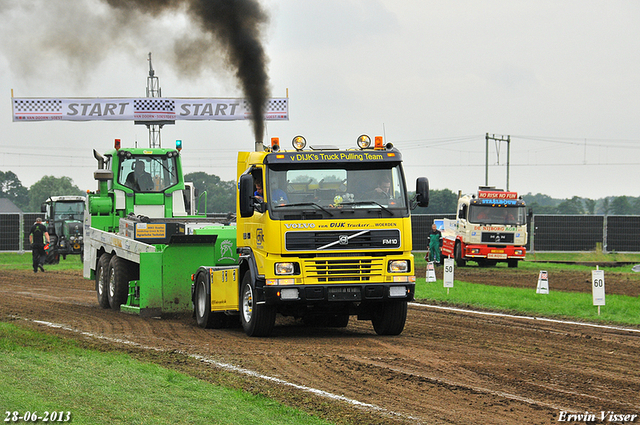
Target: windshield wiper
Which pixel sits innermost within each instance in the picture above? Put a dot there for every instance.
(159, 161)
(368, 203)
(305, 204)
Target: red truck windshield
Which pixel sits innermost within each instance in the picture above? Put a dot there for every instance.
(485, 214)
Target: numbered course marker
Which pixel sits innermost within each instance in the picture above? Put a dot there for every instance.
(448, 273)
(597, 288)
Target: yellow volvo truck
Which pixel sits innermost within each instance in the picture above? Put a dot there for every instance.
(322, 234)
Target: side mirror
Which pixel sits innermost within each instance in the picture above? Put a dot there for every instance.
(245, 195)
(422, 192)
(43, 208)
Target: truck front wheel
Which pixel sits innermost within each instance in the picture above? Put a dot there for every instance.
(389, 318)
(102, 280)
(457, 253)
(119, 276)
(257, 319)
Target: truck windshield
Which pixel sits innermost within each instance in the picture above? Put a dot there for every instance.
(334, 188)
(68, 211)
(485, 214)
(145, 173)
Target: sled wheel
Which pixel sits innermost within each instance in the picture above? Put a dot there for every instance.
(204, 316)
(102, 280)
(119, 276)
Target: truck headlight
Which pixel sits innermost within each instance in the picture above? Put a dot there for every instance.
(284, 268)
(398, 266)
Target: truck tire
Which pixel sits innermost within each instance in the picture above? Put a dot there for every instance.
(257, 319)
(513, 263)
(457, 253)
(119, 276)
(102, 280)
(390, 318)
(202, 304)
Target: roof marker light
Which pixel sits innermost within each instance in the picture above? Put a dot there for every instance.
(364, 141)
(275, 144)
(299, 143)
(179, 145)
(117, 144)
(379, 143)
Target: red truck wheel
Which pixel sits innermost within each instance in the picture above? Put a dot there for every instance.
(460, 262)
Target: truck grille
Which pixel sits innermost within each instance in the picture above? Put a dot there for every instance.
(497, 238)
(342, 240)
(343, 270)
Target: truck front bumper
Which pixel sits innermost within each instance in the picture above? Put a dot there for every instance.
(338, 293)
(495, 253)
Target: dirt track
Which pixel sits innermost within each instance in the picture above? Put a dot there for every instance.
(447, 367)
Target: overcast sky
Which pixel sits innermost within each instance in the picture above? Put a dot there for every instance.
(561, 78)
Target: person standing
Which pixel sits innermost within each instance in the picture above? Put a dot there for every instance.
(37, 237)
(435, 242)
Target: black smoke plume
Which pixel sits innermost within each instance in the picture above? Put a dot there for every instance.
(236, 25)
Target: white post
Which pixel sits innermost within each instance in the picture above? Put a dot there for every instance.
(597, 287)
(448, 273)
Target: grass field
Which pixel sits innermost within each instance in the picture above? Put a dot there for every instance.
(15, 261)
(619, 309)
(42, 373)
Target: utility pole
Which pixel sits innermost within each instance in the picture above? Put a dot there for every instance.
(486, 163)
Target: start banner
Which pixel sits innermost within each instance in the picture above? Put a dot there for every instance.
(142, 109)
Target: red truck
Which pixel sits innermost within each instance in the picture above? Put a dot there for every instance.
(490, 227)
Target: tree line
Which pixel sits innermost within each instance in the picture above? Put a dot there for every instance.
(221, 197)
(29, 200)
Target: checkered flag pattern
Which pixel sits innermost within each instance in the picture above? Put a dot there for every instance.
(273, 105)
(277, 105)
(51, 106)
(154, 105)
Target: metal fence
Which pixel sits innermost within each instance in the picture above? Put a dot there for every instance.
(563, 233)
(14, 230)
(620, 233)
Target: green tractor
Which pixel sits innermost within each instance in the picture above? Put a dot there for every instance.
(64, 216)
